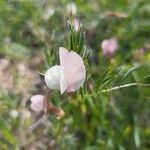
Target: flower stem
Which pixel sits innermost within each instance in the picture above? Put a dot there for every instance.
(116, 88)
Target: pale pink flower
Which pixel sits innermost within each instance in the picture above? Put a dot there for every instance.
(69, 75)
(109, 46)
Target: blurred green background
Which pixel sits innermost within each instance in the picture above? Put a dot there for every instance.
(117, 120)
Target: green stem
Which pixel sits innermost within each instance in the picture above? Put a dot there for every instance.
(116, 88)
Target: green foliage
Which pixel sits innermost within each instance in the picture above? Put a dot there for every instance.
(115, 119)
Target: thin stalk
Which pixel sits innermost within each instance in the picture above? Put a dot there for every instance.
(116, 88)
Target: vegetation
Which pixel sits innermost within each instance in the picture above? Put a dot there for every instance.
(111, 109)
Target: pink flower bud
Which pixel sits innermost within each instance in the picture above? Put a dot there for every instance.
(109, 46)
(76, 24)
(40, 104)
(37, 103)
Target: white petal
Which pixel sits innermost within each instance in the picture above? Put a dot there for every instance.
(37, 103)
(74, 69)
(52, 77)
(55, 79)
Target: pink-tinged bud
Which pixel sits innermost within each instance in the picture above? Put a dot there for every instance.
(76, 24)
(37, 103)
(109, 46)
(40, 104)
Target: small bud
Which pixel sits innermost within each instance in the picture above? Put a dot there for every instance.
(109, 46)
(72, 8)
(76, 24)
(40, 103)
(37, 103)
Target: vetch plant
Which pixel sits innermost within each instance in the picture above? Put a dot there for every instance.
(70, 75)
(109, 110)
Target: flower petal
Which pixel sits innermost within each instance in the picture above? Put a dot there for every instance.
(52, 77)
(55, 78)
(74, 69)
